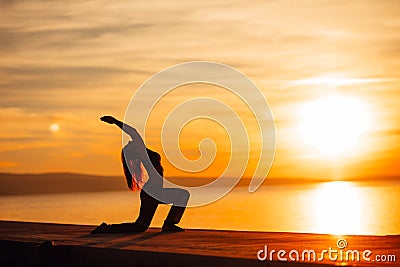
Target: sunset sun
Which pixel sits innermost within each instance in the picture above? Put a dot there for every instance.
(54, 128)
(333, 125)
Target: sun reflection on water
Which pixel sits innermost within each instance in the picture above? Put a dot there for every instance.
(337, 208)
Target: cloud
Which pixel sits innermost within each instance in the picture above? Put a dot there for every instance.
(394, 132)
(59, 38)
(58, 77)
(7, 3)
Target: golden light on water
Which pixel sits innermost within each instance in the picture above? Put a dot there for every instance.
(337, 208)
(334, 124)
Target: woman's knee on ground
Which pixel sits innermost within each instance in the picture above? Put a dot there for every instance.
(141, 225)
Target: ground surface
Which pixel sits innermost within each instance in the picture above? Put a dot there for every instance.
(24, 244)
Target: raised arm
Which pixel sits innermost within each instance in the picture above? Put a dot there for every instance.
(142, 153)
(124, 127)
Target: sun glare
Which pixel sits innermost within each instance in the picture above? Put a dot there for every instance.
(333, 125)
(337, 209)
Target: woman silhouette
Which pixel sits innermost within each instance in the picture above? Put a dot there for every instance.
(134, 156)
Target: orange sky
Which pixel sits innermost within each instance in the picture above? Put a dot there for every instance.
(68, 63)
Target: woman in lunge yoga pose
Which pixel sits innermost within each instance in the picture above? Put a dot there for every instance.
(134, 156)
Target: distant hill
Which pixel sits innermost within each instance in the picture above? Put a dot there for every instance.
(19, 184)
(47, 183)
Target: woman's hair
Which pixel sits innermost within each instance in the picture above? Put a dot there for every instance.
(132, 166)
(132, 169)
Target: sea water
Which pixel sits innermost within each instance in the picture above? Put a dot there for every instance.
(335, 208)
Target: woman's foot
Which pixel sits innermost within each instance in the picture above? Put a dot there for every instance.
(171, 228)
(102, 228)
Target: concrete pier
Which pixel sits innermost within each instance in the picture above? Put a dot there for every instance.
(46, 244)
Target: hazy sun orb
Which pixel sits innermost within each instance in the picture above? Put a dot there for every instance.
(54, 128)
(333, 125)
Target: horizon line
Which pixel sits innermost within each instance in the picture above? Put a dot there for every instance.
(349, 178)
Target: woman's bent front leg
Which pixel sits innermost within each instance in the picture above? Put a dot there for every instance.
(179, 199)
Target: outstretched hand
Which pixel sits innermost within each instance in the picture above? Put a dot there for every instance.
(108, 119)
